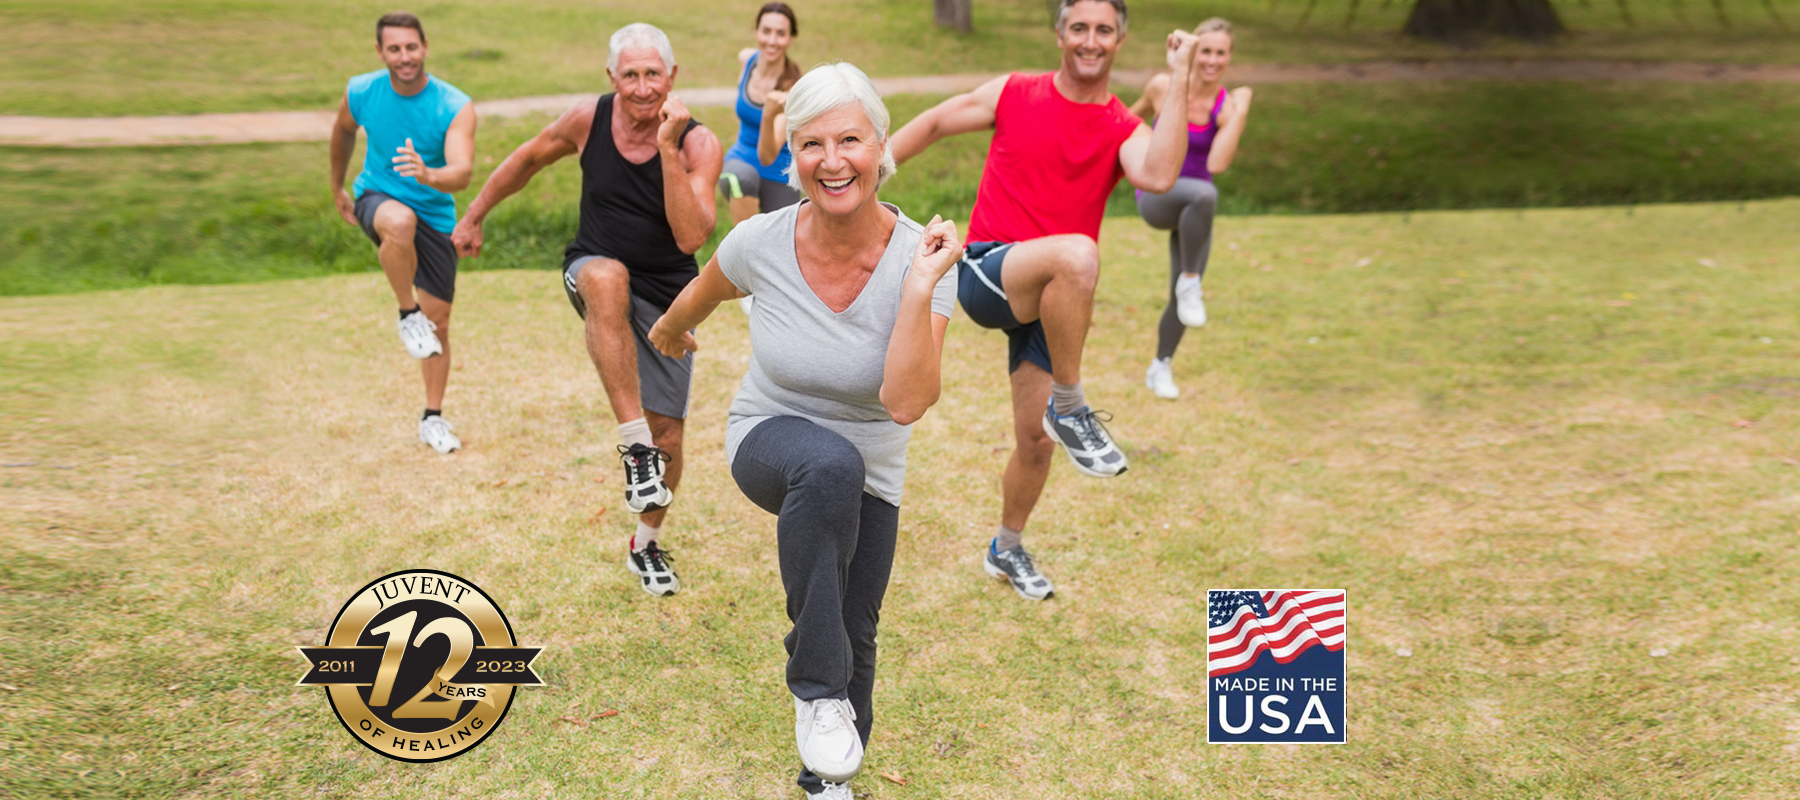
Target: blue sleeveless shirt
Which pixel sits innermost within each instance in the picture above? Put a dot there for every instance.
(750, 133)
(389, 119)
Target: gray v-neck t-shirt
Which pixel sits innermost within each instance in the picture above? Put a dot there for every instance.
(810, 362)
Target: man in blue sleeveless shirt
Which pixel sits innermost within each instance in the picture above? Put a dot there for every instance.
(647, 203)
(421, 147)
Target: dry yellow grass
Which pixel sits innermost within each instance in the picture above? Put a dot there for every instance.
(1510, 436)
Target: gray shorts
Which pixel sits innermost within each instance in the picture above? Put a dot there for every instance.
(436, 270)
(742, 180)
(663, 382)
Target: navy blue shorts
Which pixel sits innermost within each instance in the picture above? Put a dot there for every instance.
(983, 298)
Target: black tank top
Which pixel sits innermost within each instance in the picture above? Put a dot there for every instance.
(623, 217)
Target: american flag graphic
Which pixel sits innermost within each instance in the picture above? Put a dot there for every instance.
(1241, 625)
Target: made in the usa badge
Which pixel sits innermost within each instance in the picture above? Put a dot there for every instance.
(420, 665)
(1275, 666)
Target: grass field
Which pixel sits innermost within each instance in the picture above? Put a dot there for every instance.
(75, 220)
(1550, 454)
(112, 57)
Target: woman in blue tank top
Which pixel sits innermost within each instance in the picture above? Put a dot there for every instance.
(1216, 121)
(756, 182)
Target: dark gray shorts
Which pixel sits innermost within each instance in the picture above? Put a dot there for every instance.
(663, 382)
(436, 271)
(742, 180)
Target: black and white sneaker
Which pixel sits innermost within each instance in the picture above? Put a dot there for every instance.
(644, 487)
(1085, 439)
(1015, 566)
(651, 565)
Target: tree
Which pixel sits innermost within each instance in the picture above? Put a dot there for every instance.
(958, 14)
(1463, 21)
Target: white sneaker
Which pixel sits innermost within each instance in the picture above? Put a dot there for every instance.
(826, 734)
(1161, 380)
(420, 336)
(645, 489)
(833, 791)
(435, 431)
(1189, 305)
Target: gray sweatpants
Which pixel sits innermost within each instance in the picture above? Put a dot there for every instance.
(1186, 212)
(835, 544)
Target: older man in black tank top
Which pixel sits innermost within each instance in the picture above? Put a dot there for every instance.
(647, 177)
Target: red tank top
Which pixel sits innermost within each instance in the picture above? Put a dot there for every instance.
(1052, 164)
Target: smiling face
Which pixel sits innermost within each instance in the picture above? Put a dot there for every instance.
(642, 83)
(403, 51)
(1214, 57)
(773, 36)
(837, 158)
(1090, 38)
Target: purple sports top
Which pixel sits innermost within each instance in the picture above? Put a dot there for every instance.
(1200, 142)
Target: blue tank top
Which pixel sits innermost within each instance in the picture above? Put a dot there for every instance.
(750, 117)
(389, 119)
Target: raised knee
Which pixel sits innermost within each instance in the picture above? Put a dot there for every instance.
(1081, 259)
(601, 279)
(395, 220)
(839, 468)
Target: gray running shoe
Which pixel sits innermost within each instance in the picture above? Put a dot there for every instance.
(1085, 439)
(1015, 566)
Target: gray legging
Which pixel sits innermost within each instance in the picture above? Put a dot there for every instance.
(1186, 212)
(836, 548)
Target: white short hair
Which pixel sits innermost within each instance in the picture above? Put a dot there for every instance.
(827, 87)
(639, 34)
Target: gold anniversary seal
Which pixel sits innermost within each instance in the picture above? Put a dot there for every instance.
(420, 665)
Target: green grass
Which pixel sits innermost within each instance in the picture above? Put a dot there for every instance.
(1534, 446)
(112, 57)
(75, 220)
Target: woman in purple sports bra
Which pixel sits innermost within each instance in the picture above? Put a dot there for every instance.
(1215, 122)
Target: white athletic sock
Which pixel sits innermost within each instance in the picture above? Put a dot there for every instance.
(1186, 280)
(1067, 398)
(645, 537)
(636, 431)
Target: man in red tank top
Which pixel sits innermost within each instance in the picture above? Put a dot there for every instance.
(1061, 142)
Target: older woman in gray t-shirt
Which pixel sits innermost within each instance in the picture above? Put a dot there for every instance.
(852, 299)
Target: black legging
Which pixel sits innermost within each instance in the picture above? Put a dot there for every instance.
(836, 547)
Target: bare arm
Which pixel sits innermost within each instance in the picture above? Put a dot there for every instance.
(558, 139)
(1152, 158)
(672, 335)
(343, 140)
(1146, 105)
(774, 128)
(1235, 114)
(964, 113)
(911, 379)
(459, 156)
(695, 165)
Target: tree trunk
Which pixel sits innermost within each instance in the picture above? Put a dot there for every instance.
(958, 14)
(1463, 22)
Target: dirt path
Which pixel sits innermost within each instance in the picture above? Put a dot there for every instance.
(312, 126)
